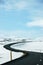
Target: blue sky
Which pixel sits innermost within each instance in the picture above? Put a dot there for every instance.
(21, 18)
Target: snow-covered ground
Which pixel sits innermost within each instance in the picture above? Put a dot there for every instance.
(30, 46)
(5, 55)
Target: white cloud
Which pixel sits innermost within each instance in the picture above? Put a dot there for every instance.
(20, 5)
(30, 34)
(9, 5)
(6, 6)
(38, 23)
(17, 34)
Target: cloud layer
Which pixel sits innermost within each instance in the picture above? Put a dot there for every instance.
(10, 5)
(36, 23)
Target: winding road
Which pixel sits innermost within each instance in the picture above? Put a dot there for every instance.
(28, 58)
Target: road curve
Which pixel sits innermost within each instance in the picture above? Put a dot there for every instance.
(28, 58)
